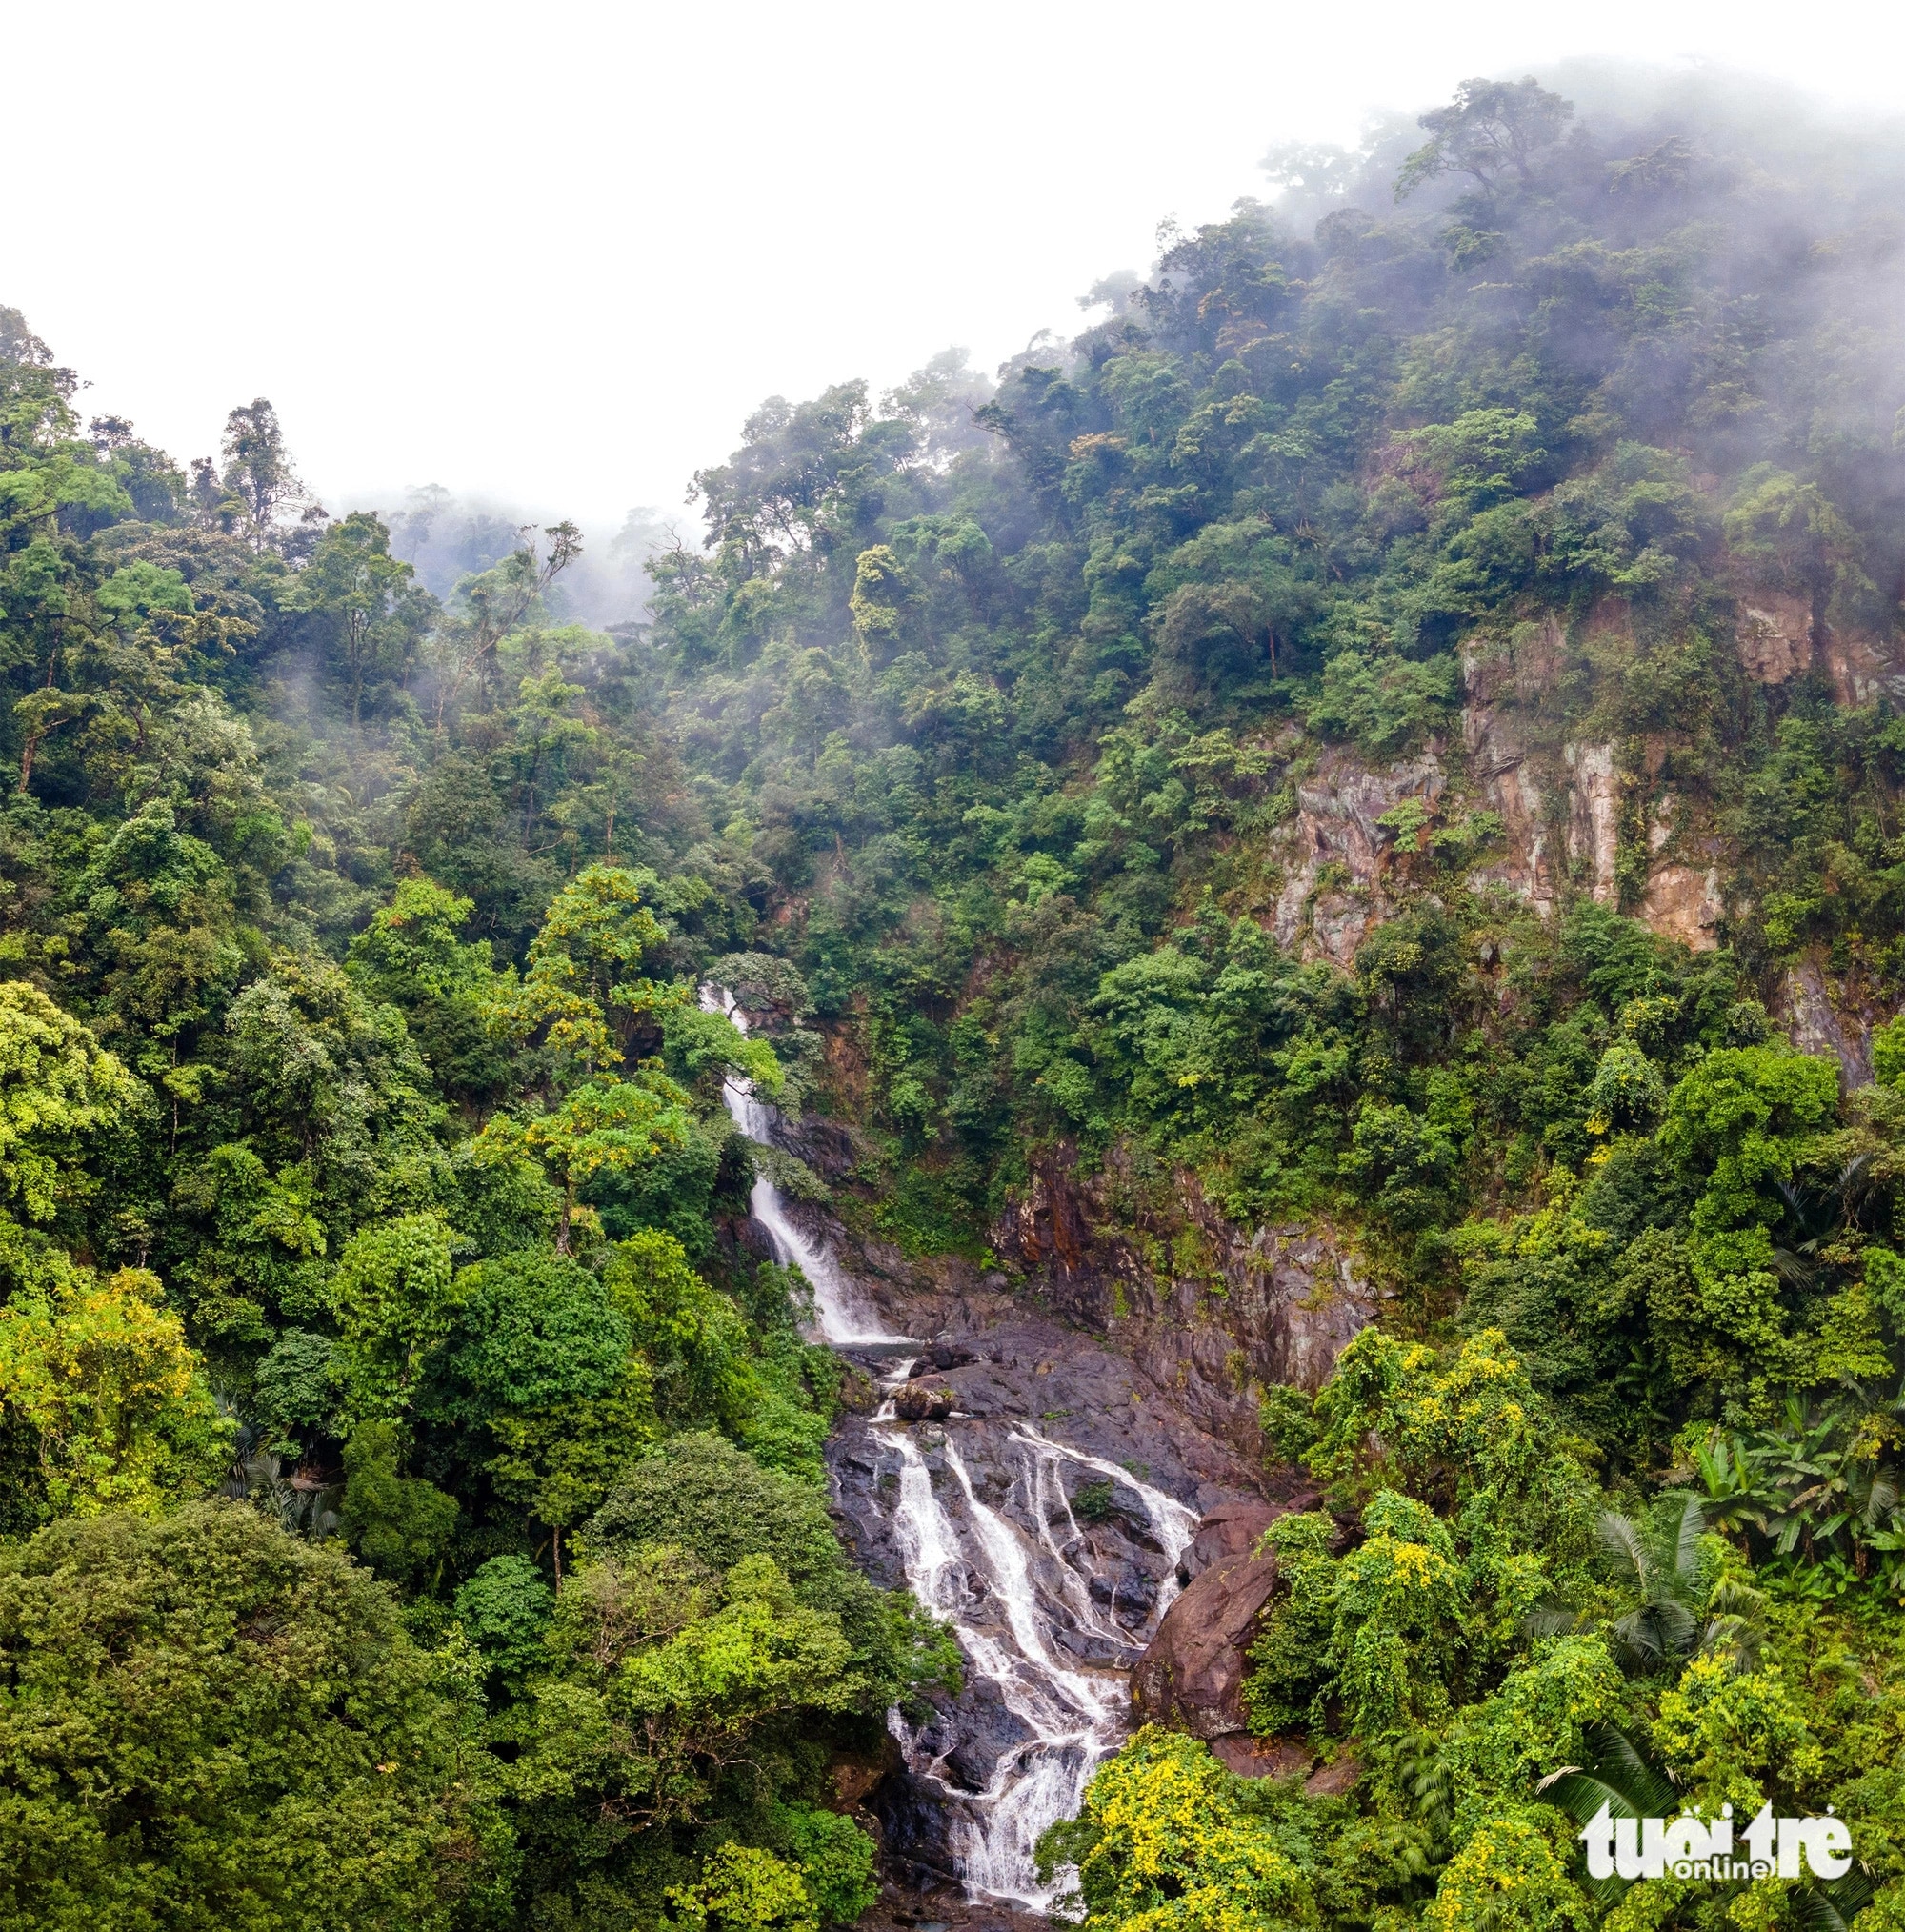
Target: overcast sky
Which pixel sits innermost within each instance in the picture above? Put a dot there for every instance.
(555, 254)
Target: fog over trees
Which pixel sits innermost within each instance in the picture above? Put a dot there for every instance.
(1397, 728)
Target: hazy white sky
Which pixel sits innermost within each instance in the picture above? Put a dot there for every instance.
(556, 254)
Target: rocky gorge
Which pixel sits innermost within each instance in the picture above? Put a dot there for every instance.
(1066, 1465)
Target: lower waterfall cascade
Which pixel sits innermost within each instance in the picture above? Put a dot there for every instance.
(975, 1514)
(1019, 1556)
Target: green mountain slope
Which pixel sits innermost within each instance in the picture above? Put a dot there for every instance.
(1395, 735)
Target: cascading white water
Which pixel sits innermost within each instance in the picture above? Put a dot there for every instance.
(840, 1315)
(1006, 1582)
(1075, 1718)
(1173, 1523)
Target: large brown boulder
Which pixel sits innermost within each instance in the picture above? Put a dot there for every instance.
(1231, 1530)
(921, 1402)
(1192, 1675)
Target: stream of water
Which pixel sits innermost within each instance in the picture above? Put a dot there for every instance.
(1005, 1560)
(1019, 1565)
(840, 1314)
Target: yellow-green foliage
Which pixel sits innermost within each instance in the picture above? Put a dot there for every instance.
(1449, 1426)
(1501, 1748)
(1512, 1875)
(1488, 1508)
(1731, 1738)
(1160, 1846)
(586, 960)
(668, 1672)
(57, 1089)
(743, 1889)
(1397, 1595)
(1470, 1651)
(99, 1374)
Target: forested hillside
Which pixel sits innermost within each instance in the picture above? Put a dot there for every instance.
(1396, 731)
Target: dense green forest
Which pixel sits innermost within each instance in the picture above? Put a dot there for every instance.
(414, 1501)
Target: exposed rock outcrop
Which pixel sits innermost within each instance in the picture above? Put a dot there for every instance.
(1779, 635)
(1192, 1674)
(1861, 667)
(919, 1401)
(1683, 902)
(1504, 683)
(1818, 1023)
(1594, 817)
(1774, 635)
(1499, 761)
(1333, 876)
(1229, 1530)
(1251, 1757)
(1270, 1305)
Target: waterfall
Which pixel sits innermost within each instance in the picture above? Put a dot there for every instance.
(1003, 1558)
(982, 1566)
(842, 1318)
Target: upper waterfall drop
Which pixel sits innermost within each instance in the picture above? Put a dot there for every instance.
(843, 1319)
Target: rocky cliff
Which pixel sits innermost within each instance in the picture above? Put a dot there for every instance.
(1632, 822)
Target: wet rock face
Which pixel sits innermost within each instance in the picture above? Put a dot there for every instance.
(1280, 1305)
(1192, 1674)
(939, 1356)
(1229, 1530)
(1046, 1471)
(919, 1401)
(1040, 1488)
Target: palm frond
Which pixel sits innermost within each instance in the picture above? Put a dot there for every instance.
(1613, 1773)
(1551, 1620)
(1832, 1907)
(1691, 1527)
(1621, 1538)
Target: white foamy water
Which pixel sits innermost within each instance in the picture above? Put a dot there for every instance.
(842, 1316)
(960, 1563)
(1171, 1522)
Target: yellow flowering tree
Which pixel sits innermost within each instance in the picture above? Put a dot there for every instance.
(1161, 1846)
(1509, 1877)
(98, 1379)
(1473, 1509)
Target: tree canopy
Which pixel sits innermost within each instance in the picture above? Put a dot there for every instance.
(1392, 730)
